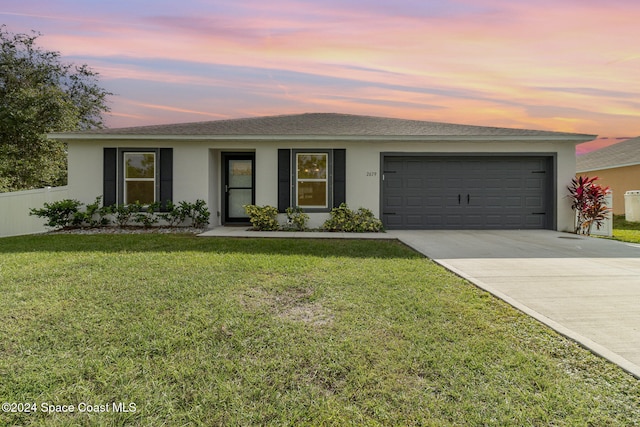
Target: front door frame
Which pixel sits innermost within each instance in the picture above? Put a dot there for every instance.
(226, 157)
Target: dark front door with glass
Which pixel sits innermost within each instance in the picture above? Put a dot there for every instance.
(238, 186)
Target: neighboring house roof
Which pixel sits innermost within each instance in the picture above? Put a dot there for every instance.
(622, 154)
(322, 126)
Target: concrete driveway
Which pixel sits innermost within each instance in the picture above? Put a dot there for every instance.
(586, 288)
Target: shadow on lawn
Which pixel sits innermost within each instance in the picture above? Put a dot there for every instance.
(387, 249)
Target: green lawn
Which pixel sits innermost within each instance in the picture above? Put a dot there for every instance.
(279, 332)
(625, 230)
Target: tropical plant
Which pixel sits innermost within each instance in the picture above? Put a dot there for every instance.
(263, 218)
(94, 215)
(359, 221)
(174, 215)
(588, 200)
(69, 213)
(296, 218)
(199, 214)
(60, 214)
(124, 213)
(146, 215)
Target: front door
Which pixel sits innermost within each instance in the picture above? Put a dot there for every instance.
(238, 185)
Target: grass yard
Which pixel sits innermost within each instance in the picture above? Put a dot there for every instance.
(625, 230)
(207, 331)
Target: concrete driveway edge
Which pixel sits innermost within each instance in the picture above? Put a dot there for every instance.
(585, 342)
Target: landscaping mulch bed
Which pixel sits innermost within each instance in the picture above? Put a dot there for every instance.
(130, 230)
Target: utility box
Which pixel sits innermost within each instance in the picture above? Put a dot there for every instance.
(632, 205)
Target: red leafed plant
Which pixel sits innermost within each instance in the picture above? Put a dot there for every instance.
(588, 200)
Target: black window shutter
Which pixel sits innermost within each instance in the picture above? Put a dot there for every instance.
(284, 179)
(109, 176)
(166, 177)
(339, 177)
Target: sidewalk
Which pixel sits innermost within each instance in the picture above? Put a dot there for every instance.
(245, 232)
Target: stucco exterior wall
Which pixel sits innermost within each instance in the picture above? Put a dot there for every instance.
(620, 180)
(197, 168)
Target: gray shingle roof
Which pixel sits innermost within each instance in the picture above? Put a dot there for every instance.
(320, 124)
(625, 153)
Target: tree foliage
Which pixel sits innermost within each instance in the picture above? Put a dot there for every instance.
(41, 94)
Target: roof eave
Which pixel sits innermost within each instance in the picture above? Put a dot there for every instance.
(575, 138)
(602, 168)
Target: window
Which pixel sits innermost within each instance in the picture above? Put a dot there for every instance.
(312, 183)
(131, 174)
(139, 177)
(312, 179)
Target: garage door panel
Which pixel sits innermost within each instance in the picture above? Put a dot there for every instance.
(492, 183)
(414, 165)
(513, 202)
(434, 201)
(534, 183)
(494, 220)
(414, 220)
(534, 221)
(415, 201)
(393, 182)
(467, 192)
(415, 183)
(514, 184)
(512, 221)
(453, 220)
(452, 201)
(393, 221)
(453, 183)
(393, 201)
(534, 202)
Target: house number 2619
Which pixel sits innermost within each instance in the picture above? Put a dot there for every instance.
(370, 173)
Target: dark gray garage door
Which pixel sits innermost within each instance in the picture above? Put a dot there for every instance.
(439, 192)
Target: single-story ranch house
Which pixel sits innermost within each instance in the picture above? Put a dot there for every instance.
(411, 174)
(617, 167)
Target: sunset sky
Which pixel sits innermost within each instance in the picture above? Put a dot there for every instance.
(562, 65)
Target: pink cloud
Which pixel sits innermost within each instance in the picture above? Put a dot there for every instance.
(490, 62)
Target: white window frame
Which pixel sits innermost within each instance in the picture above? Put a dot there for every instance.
(127, 179)
(298, 180)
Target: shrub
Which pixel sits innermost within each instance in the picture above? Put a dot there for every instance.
(60, 214)
(145, 215)
(199, 214)
(588, 201)
(124, 213)
(365, 222)
(296, 218)
(174, 215)
(68, 213)
(263, 218)
(344, 219)
(95, 215)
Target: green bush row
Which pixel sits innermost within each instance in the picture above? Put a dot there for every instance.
(265, 218)
(69, 213)
(358, 221)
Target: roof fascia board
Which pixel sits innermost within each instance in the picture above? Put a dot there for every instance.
(626, 165)
(510, 138)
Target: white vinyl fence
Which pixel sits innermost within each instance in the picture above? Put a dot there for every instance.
(607, 226)
(14, 210)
